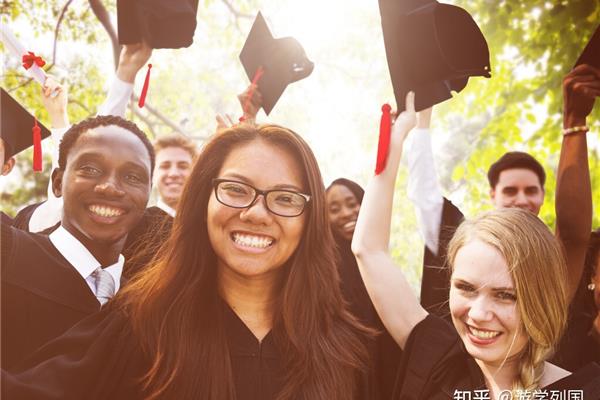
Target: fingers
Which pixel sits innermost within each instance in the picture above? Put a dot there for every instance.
(410, 102)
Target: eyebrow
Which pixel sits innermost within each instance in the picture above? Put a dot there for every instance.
(495, 289)
(101, 157)
(283, 186)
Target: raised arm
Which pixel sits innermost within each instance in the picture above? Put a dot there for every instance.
(392, 296)
(573, 188)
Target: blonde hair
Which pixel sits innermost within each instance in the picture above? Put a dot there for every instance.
(538, 270)
(176, 140)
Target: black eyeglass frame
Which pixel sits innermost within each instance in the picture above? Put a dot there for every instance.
(258, 192)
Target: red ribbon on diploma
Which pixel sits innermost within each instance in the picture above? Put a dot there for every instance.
(30, 58)
(385, 131)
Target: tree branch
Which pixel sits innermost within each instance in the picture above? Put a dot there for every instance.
(104, 18)
(56, 29)
(237, 14)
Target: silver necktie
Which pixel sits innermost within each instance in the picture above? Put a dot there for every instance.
(105, 285)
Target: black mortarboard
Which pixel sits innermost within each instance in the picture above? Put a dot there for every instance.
(162, 24)
(591, 53)
(432, 49)
(16, 124)
(283, 61)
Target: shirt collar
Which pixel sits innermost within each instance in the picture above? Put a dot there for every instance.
(165, 207)
(80, 257)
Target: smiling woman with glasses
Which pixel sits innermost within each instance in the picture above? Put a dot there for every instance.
(242, 302)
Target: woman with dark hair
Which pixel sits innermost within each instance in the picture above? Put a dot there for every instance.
(242, 301)
(344, 198)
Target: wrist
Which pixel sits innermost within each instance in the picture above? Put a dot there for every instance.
(571, 121)
(59, 120)
(126, 73)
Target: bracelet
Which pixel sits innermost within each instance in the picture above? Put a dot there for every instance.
(568, 131)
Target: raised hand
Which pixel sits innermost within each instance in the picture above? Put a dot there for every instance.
(55, 98)
(132, 58)
(580, 88)
(251, 101)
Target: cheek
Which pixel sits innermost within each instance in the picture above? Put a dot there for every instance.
(458, 304)
(293, 228)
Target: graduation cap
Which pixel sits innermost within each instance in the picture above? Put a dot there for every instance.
(591, 53)
(273, 63)
(163, 24)
(16, 124)
(432, 49)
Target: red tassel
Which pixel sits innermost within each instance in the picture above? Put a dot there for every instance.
(145, 88)
(37, 147)
(385, 131)
(257, 75)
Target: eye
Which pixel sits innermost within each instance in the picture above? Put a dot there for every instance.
(232, 188)
(506, 296)
(531, 191)
(288, 198)
(133, 178)
(465, 288)
(90, 170)
(509, 191)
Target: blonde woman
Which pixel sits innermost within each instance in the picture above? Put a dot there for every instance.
(508, 301)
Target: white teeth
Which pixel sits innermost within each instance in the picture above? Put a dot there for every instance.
(259, 242)
(483, 334)
(104, 211)
(350, 224)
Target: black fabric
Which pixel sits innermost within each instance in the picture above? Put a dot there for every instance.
(6, 219)
(435, 284)
(435, 364)
(42, 294)
(24, 216)
(101, 359)
(385, 352)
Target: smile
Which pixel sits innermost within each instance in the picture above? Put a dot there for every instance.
(106, 211)
(349, 225)
(483, 334)
(254, 241)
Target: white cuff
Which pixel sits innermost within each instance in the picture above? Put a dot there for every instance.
(117, 98)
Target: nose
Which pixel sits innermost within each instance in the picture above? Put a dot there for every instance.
(480, 309)
(109, 187)
(521, 199)
(173, 171)
(257, 212)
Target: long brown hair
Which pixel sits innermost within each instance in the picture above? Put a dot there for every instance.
(175, 309)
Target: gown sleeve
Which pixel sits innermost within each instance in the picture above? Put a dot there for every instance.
(98, 358)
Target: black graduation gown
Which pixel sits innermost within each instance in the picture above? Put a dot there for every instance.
(42, 294)
(435, 284)
(6, 219)
(385, 352)
(100, 358)
(435, 364)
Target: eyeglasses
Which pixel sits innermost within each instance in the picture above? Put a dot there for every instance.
(285, 203)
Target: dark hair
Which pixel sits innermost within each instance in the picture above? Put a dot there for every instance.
(593, 252)
(75, 131)
(354, 187)
(176, 311)
(515, 159)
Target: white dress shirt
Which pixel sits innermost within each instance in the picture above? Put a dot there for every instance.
(165, 207)
(49, 213)
(82, 260)
(424, 190)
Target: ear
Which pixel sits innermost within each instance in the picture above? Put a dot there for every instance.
(57, 176)
(8, 166)
(493, 194)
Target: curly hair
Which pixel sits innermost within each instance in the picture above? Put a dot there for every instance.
(75, 131)
(538, 270)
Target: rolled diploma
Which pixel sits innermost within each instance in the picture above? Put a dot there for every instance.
(18, 50)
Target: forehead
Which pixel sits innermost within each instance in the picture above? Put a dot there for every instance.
(482, 265)
(340, 193)
(173, 154)
(263, 164)
(519, 177)
(113, 143)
